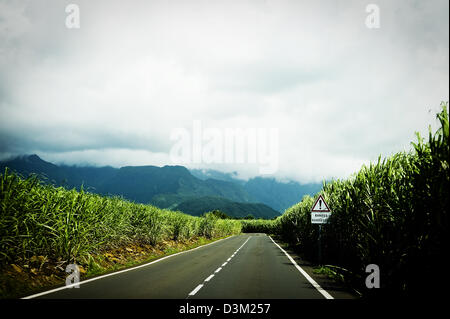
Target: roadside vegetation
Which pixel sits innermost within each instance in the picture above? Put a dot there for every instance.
(393, 213)
(43, 225)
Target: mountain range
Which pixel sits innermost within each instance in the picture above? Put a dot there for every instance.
(278, 195)
(174, 187)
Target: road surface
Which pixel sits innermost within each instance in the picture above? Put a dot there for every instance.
(247, 266)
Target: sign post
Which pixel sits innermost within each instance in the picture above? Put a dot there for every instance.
(320, 245)
(320, 212)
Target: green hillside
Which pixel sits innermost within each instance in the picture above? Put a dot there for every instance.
(165, 187)
(279, 195)
(198, 206)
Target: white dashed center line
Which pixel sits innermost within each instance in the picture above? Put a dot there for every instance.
(193, 292)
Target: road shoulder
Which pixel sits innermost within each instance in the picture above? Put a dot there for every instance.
(335, 289)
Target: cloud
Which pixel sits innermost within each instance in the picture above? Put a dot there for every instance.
(112, 91)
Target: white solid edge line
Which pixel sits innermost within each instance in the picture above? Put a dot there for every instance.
(193, 292)
(305, 274)
(118, 272)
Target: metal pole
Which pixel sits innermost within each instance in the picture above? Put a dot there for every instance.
(320, 245)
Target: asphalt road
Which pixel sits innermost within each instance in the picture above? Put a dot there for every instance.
(248, 266)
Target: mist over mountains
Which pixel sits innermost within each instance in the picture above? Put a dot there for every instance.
(269, 191)
(174, 187)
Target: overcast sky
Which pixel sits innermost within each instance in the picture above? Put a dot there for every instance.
(113, 91)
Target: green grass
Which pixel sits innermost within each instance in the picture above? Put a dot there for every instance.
(330, 272)
(258, 226)
(37, 219)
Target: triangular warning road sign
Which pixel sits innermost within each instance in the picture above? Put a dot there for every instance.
(320, 206)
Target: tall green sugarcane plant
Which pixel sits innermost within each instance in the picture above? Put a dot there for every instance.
(393, 213)
(38, 219)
